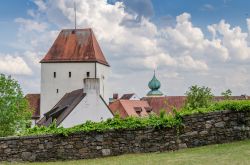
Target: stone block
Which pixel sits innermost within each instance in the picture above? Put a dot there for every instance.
(220, 124)
(182, 145)
(203, 133)
(194, 133)
(28, 156)
(106, 152)
(207, 125)
(99, 138)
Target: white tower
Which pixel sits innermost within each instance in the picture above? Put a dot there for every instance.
(74, 56)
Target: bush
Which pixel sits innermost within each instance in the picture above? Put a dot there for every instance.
(234, 105)
(115, 123)
(162, 121)
(198, 97)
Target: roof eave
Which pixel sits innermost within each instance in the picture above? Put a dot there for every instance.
(73, 61)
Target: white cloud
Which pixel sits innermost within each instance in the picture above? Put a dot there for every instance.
(133, 45)
(232, 38)
(207, 7)
(159, 60)
(13, 65)
(31, 25)
(187, 40)
(190, 63)
(41, 5)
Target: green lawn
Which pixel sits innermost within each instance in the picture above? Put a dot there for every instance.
(237, 153)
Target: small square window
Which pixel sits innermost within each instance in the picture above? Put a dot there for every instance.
(88, 74)
(69, 74)
(54, 74)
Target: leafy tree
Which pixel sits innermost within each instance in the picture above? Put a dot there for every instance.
(227, 94)
(198, 97)
(15, 114)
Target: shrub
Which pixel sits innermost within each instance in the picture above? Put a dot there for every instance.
(162, 121)
(115, 123)
(198, 97)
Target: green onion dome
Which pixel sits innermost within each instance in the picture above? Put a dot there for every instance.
(154, 85)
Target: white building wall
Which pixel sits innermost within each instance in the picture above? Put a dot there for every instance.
(103, 73)
(62, 81)
(91, 108)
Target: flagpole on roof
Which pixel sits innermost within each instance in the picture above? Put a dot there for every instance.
(75, 13)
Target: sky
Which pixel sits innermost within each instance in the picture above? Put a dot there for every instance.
(205, 42)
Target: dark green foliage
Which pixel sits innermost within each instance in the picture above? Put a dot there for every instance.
(115, 123)
(234, 105)
(198, 97)
(154, 121)
(227, 94)
(14, 110)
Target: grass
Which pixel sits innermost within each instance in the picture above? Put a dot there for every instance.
(237, 153)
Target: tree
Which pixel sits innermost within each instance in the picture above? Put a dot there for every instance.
(198, 97)
(227, 94)
(14, 108)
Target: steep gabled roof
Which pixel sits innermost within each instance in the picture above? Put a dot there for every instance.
(63, 108)
(34, 102)
(75, 45)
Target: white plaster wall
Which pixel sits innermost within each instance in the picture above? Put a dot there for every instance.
(90, 108)
(103, 73)
(62, 82)
(33, 123)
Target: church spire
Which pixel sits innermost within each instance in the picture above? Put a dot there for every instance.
(154, 85)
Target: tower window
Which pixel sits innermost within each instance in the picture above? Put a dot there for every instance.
(54, 74)
(69, 74)
(57, 90)
(88, 74)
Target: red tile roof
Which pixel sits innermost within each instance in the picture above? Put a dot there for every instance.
(165, 103)
(34, 102)
(127, 108)
(78, 45)
(242, 97)
(168, 102)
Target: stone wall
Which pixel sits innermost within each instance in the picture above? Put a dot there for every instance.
(198, 130)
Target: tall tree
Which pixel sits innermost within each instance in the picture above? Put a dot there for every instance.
(227, 94)
(15, 114)
(198, 97)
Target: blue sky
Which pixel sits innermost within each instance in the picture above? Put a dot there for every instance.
(204, 42)
(203, 12)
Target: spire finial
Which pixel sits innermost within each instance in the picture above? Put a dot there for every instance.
(75, 13)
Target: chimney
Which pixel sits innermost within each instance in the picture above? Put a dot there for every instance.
(115, 96)
(91, 85)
